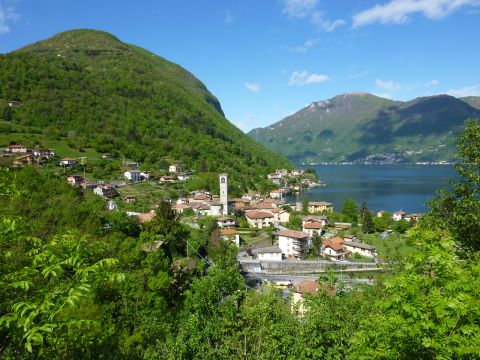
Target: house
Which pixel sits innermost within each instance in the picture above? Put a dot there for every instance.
(350, 238)
(14, 103)
(172, 169)
(225, 222)
(323, 220)
(356, 247)
(276, 194)
(129, 199)
(312, 228)
(269, 253)
(111, 205)
(75, 179)
(180, 208)
(294, 244)
(107, 156)
(231, 234)
(319, 206)
(277, 179)
(133, 175)
(297, 172)
(216, 208)
(17, 149)
(131, 164)
(23, 160)
(183, 201)
(202, 196)
(399, 215)
(280, 216)
(183, 176)
(105, 191)
(144, 175)
(68, 162)
(166, 179)
(44, 153)
(259, 219)
(333, 249)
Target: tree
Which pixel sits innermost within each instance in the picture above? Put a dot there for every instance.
(305, 205)
(429, 309)
(458, 210)
(367, 222)
(401, 226)
(350, 211)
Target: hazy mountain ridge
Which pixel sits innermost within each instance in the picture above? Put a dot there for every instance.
(360, 127)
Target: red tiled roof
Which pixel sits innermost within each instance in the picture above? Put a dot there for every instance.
(334, 245)
(319, 203)
(258, 214)
(312, 225)
(308, 286)
(227, 232)
(293, 234)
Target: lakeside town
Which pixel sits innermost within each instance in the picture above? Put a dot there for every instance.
(274, 236)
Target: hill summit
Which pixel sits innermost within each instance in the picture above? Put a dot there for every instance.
(361, 127)
(94, 91)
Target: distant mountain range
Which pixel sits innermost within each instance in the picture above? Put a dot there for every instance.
(363, 128)
(90, 90)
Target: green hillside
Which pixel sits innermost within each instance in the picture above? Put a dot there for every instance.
(473, 101)
(92, 91)
(360, 127)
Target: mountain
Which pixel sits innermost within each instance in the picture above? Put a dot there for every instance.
(360, 127)
(473, 101)
(94, 91)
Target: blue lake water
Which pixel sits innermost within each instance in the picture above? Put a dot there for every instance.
(382, 187)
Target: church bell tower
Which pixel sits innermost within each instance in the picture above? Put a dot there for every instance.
(224, 193)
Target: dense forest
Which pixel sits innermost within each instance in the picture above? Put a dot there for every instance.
(89, 90)
(79, 282)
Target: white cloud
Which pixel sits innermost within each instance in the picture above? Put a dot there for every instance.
(298, 8)
(473, 90)
(431, 83)
(384, 95)
(387, 85)
(228, 18)
(400, 11)
(7, 15)
(305, 47)
(252, 87)
(304, 78)
(318, 18)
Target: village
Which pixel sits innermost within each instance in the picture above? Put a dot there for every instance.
(268, 216)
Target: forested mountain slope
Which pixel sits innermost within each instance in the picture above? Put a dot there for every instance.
(360, 127)
(91, 89)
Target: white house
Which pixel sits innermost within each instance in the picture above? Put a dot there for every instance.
(259, 219)
(312, 228)
(226, 221)
(111, 205)
(174, 169)
(16, 149)
(105, 191)
(323, 220)
(276, 194)
(294, 244)
(230, 234)
(44, 153)
(68, 162)
(356, 247)
(280, 216)
(269, 253)
(399, 215)
(133, 175)
(333, 249)
(183, 176)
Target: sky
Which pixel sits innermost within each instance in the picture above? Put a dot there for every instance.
(267, 59)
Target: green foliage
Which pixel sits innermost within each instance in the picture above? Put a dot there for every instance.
(401, 226)
(294, 223)
(368, 225)
(350, 211)
(430, 309)
(458, 210)
(365, 125)
(120, 99)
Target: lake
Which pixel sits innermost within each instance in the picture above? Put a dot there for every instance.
(382, 187)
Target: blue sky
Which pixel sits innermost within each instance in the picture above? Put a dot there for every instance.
(265, 59)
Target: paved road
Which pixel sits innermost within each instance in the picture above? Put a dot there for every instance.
(296, 279)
